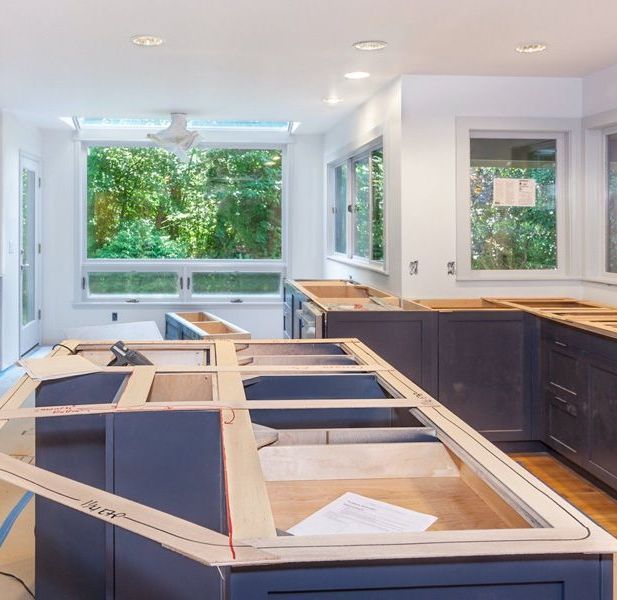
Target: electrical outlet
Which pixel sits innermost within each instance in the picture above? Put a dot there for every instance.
(413, 267)
(114, 316)
(451, 268)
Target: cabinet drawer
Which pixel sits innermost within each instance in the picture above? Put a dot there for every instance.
(561, 368)
(562, 335)
(566, 426)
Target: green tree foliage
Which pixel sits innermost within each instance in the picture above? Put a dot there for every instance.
(143, 203)
(504, 237)
(369, 215)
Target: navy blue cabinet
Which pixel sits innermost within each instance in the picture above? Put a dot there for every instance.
(579, 412)
(566, 579)
(135, 456)
(487, 370)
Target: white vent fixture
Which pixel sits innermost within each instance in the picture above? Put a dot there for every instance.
(176, 138)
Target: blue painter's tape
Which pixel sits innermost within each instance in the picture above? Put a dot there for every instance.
(8, 523)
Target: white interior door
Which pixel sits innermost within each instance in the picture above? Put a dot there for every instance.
(29, 254)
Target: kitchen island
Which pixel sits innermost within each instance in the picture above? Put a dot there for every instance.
(179, 479)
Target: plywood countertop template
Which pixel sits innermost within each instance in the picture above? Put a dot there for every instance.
(337, 295)
(487, 504)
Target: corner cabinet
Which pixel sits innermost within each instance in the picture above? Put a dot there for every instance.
(579, 412)
(487, 370)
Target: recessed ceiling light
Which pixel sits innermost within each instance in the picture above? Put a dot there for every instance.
(332, 100)
(369, 45)
(147, 40)
(357, 75)
(531, 48)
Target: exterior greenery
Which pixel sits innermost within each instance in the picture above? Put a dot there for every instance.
(360, 181)
(143, 203)
(611, 204)
(512, 237)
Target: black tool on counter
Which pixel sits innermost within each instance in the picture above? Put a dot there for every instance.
(123, 357)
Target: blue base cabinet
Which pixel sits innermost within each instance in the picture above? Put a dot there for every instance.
(579, 413)
(135, 456)
(583, 578)
(488, 370)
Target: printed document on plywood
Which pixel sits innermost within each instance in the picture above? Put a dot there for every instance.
(352, 513)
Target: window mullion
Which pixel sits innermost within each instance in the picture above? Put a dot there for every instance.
(370, 207)
(351, 208)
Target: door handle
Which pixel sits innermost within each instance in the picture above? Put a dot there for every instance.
(24, 266)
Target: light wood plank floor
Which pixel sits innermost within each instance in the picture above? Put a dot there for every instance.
(595, 503)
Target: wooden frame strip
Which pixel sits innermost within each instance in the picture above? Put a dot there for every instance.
(248, 504)
(137, 387)
(186, 538)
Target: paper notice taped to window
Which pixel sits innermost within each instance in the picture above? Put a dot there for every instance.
(514, 192)
(352, 513)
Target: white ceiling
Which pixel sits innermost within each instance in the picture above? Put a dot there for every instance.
(276, 59)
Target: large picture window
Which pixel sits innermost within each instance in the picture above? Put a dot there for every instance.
(357, 207)
(155, 225)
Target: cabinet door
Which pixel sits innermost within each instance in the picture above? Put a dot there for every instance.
(298, 299)
(601, 391)
(287, 321)
(486, 370)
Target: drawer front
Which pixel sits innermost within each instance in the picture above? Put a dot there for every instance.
(562, 335)
(566, 429)
(561, 368)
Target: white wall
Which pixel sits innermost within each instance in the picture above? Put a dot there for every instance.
(381, 115)
(430, 107)
(600, 111)
(16, 135)
(60, 230)
(306, 214)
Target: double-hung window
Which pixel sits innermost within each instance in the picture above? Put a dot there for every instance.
(511, 205)
(159, 229)
(357, 197)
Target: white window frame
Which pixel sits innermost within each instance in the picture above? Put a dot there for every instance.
(349, 257)
(596, 168)
(566, 133)
(185, 267)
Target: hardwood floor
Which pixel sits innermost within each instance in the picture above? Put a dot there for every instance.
(595, 503)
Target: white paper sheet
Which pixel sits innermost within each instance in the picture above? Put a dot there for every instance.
(514, 192)
(352, 513)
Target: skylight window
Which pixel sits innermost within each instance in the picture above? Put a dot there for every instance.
(124, 123)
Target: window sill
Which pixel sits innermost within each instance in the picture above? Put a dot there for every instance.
(146, 304)
(601, 280)
(483, 276)
(358, 264)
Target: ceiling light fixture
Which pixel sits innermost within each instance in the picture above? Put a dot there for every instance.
(370, 45)
(531, 48)
(357, 75)
(176, 138)
(147, 40)
(332, 100)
